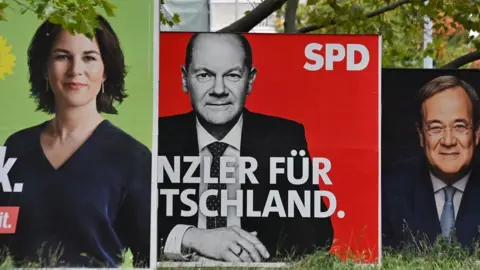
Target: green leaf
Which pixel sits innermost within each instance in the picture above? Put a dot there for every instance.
(476, 43)
(70, 19)
(109, 8)
(3, 6)
(56, 19)
(24, 10)
(356, 11)
(176, 18)
(82, 24)
(49, 10)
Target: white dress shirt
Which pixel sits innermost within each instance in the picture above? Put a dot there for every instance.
(173, 244)
(438, 186)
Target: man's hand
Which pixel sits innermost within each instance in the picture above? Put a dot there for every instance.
(230, 244)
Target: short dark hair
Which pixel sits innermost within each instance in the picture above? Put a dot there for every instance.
(112, 56)
(443, 83)
(247, 49)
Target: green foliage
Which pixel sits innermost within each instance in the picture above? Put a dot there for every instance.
(402, 28)
(76, 16)
(419, 254)
(438, 255)
(8, 263)
(3, 6)
(164, 20)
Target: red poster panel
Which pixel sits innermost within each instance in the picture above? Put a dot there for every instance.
(296, 117)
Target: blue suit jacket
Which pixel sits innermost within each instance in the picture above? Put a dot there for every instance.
(409, 212)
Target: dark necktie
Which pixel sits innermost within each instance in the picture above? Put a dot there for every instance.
(213, 202)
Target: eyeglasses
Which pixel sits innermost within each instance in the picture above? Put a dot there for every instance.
(437, 130)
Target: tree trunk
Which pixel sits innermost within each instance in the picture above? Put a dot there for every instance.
(291, 16)
(254, 17)
(372, 14)
(462, 60)
(267, 7)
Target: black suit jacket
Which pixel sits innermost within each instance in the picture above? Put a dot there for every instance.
(409, 213)
(262, 137)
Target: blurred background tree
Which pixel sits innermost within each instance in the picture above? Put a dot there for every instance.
(77, 16)
(401, 23)
(455, 23)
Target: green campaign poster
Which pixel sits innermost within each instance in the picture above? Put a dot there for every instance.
(133, 23)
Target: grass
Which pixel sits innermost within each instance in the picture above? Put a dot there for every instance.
(440, 255)
(8, 263)
(397, 261)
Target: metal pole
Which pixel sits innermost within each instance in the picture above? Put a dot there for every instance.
(209, 16)
(236, 10)
(427, 38)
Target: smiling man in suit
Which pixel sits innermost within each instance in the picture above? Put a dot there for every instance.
(218, 75)
(437, 194)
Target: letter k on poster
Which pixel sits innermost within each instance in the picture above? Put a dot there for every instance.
(268, 146)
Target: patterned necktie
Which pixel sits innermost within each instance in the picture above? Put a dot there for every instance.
(447, 219)
(213, 202)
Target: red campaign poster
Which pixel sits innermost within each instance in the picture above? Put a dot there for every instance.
(278, 99)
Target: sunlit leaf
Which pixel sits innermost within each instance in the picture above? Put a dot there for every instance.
(76, 16)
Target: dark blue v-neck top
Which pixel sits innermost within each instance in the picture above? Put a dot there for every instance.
(86, 212)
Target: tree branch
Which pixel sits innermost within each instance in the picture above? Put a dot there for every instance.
(291, 16)
(254, 17)
(368, 15)
(462, 60)
(23, 5)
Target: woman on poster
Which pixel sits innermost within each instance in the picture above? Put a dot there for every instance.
(86, 183)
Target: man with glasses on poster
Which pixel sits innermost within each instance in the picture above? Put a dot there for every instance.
(437, 194)
(218, 75)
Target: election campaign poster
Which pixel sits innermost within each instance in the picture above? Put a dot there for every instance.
(76, 137)
(430, 180)
(268, 147)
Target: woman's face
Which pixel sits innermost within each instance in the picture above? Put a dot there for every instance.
(75, 70)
